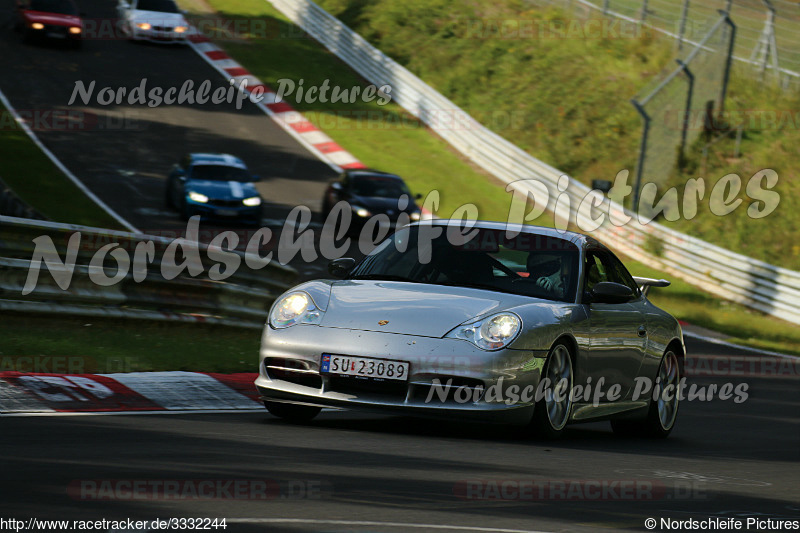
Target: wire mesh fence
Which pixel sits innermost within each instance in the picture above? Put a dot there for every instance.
(684, 104)
(768, 31)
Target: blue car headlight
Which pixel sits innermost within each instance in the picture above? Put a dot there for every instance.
(491, 333)
(197, 197)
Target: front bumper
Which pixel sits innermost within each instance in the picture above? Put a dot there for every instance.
(289, 371)
(213, 212)
(157, 36)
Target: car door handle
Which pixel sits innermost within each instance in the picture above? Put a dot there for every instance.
(642, 331)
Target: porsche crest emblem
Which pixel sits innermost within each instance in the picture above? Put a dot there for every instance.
(383, 322)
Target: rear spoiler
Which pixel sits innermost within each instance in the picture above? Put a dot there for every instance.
(646, 283)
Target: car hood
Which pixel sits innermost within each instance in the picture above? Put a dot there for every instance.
(409, 308)
(53, 19)
(158, 18)
(223, 190)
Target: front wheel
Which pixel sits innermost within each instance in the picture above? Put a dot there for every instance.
(663, 411)
(292, 412)
(551, 412)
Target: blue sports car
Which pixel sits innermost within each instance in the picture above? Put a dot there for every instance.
(214, 186)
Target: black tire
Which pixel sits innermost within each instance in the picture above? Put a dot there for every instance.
(663, 412)
(551, 412)
(292, 412)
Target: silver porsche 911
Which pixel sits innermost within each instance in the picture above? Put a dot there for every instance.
(485, 321)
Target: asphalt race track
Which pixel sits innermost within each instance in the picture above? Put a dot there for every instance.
(349, 471)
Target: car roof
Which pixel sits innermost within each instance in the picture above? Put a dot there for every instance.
(216, 159)
(364, 172)
(579, 239)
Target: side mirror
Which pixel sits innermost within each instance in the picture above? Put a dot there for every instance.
(608, 292)
(340, 268)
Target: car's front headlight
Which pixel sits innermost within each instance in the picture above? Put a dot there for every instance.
(492, 333)
(294, 308)
(363, 212)
(197, 197)
(144, 26)
(180, 29)
(252, 202)
(74, 30)
(37, 26)
(416, 215)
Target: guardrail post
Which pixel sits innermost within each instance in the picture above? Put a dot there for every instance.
(643, 14)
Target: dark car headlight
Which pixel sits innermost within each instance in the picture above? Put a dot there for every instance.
(197, 197)
(491, 333)
(294, 308)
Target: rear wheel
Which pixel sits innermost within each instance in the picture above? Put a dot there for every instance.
(663, 411)
(292, 412)
(552, 411)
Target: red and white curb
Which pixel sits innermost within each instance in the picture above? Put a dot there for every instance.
(293, 122)
(22, 392)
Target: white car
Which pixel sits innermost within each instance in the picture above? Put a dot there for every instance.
(153, 20)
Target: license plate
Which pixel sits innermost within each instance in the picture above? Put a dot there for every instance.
(348, 365)
(226, 212)
(56, 35)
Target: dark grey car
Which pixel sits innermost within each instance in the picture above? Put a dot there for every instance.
(518, 324)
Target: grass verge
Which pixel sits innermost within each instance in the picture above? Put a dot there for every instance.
(92, 345)
(40, 184)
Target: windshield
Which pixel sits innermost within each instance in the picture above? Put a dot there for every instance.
(162, 6)
(380, 187)
(527, 264)
(62, 7)
(220, 173)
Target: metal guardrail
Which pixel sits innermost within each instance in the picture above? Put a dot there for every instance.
(756, 284)
(242, 299)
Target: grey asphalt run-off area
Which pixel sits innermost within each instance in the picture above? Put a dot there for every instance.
(346, 471)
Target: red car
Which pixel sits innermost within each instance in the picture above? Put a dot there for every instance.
(50, 19)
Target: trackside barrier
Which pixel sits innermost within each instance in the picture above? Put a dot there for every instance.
(242, 299)
(756, 284)
(11, 204)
